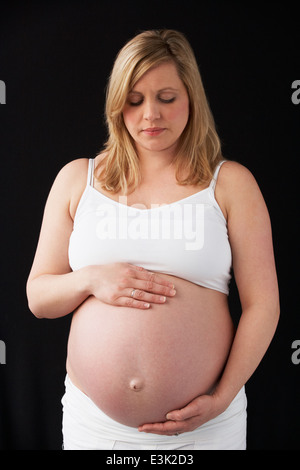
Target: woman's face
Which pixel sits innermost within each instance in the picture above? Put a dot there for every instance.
(157, 109)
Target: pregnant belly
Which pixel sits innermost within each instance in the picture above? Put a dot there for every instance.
(137, 365)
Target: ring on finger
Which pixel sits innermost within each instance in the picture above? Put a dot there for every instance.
(132, 293)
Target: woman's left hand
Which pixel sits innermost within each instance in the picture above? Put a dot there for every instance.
(197, 412)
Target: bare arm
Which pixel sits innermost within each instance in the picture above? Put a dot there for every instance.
(255, 273)
(53, 289)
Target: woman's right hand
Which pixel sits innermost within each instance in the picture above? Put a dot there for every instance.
(127, 285)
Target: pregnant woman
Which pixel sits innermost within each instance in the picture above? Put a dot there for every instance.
(139, 243)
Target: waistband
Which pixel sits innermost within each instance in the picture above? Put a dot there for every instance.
(81, 412)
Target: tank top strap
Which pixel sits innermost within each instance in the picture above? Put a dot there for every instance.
(90, 175)
(215, 177)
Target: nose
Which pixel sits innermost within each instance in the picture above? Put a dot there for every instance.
(151, 110)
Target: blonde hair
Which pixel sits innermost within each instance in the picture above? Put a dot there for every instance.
(199, 148)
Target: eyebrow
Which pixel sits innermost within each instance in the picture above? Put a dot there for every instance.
(158, 91)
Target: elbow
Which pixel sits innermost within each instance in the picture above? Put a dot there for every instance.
(34, 308)
(274, 314)
(277, 311)
(33, 305)
(276, 306)
(273, 307)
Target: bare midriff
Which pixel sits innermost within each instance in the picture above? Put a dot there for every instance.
(136, 365)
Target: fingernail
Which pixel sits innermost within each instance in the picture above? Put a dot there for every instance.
(173, 292)
(146, 305)
(162, 298)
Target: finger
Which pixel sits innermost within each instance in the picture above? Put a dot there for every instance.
(172, 428)
(153, 287)
(153, 277)
(130, 302)
(146, 297)
(136, 268)
(168, 427)
(187, 412)
(150, 293)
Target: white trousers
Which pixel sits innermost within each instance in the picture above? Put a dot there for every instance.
(86, 427)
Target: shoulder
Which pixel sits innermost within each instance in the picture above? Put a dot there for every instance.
(70, 183)
(236, 187)
(235, 174)
(71, 175)
(76, 170)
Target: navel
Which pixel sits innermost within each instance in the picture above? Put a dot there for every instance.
(136, 384)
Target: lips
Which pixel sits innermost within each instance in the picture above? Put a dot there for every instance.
(153, 131)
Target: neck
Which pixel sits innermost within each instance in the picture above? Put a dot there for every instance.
(153, 162)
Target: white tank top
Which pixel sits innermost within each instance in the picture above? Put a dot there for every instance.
(187, 238)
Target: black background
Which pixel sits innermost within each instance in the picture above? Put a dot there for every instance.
(55, 58)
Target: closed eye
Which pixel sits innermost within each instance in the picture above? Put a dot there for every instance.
(170, 100)
(162, 100)
(135, 103)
